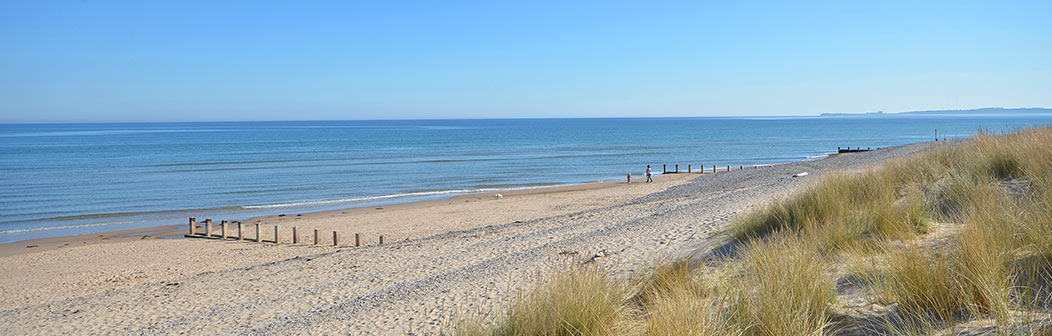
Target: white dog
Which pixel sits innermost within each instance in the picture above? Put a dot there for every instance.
(499, 196)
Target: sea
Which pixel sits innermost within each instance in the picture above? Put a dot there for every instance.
(80, 178)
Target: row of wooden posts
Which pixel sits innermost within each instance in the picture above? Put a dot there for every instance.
(849, 150)
(223, 234)
(690, 167)
(690, 170)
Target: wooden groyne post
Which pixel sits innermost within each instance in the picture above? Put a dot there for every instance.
(688, 169)
(677, 169)
(853, 150)
(357, 239)
(381, 239)
(664, 169)
(224, 234)
(208, 227)
(713, 168)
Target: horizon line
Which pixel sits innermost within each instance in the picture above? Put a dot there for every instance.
(518, 118)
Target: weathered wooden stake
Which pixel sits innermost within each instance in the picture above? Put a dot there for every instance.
(193, 226)
(664, 169)
(728, 168)
(259, 239)
(741, 167)
(295, 235)
(357, 239)
(277, 237)
(222, 228)
(240, 231)
(208, 227)
(677, 168)
(688, 169)
(335, 238)
(381, 239)
(713, 168)
(317, 238)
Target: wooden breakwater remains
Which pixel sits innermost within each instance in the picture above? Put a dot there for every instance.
(717, 168)
(226, 228)
(854, 150)
(702, 170)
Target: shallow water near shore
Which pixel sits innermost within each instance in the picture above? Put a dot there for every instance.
(63, 179)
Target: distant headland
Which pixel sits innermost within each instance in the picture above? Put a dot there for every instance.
(982, 111)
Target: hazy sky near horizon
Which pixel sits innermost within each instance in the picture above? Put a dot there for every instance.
(302, 60)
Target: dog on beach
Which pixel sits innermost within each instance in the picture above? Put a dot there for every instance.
(499, 196)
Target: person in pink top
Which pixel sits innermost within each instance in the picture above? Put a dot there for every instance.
(649, 174)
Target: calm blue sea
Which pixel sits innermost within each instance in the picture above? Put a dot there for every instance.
(61, 179)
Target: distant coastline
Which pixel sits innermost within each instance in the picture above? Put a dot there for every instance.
(978, 111)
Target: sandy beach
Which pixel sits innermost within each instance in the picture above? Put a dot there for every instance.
(442, 259)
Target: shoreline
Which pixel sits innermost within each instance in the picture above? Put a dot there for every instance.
(158, 219)
(176, 231)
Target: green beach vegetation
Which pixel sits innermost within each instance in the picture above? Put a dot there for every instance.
(958, 239)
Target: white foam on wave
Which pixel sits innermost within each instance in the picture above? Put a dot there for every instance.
(63, 227)
(290, 205)
(391, 196)
(818, 156)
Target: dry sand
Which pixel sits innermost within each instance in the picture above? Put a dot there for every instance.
(441, 259)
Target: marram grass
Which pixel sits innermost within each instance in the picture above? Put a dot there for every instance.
(783, 289)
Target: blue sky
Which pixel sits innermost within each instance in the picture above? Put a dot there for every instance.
(301, 60)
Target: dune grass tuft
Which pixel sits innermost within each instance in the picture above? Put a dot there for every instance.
(923, 281)
(681, 311)
(840, 210)
(673, 300)
(783, 290)
(581, 302)
(675, 276)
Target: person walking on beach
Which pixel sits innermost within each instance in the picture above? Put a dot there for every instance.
(649, 174)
